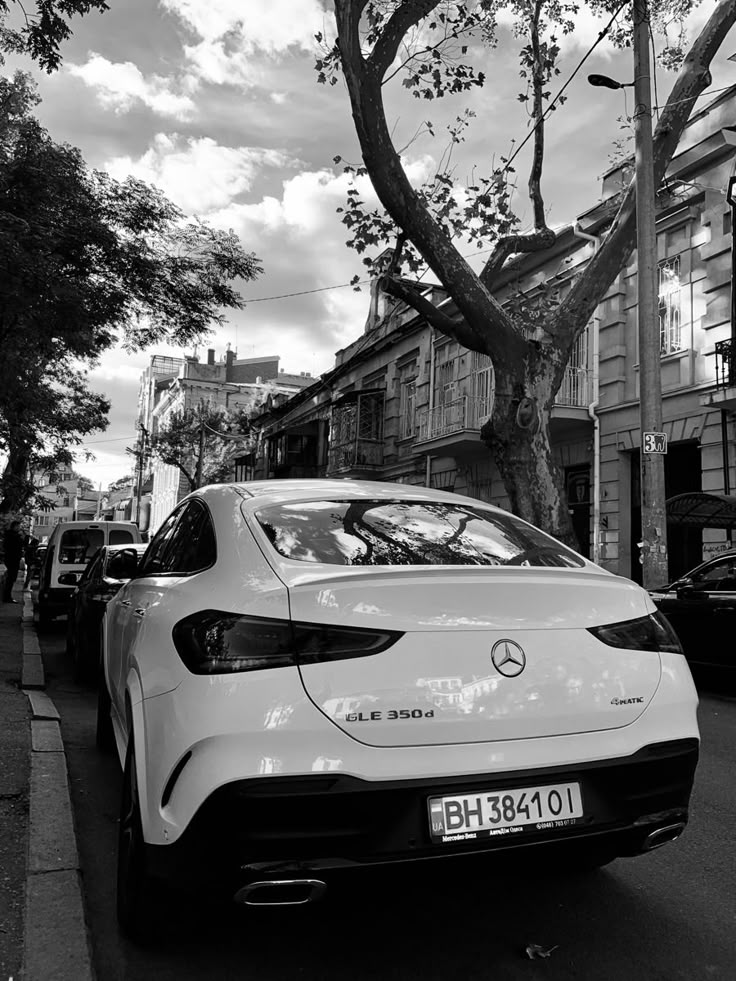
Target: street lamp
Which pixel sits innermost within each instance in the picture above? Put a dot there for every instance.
(653, 440)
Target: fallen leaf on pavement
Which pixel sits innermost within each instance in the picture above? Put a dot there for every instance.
(536, 950)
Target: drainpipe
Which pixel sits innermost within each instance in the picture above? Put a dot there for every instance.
(428, 471)
(593, 413)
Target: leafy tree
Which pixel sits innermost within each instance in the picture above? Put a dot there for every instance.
(86, 261)
(84, 484)
(42, 30)
(438, 48)
(202, 442)
(120, 484)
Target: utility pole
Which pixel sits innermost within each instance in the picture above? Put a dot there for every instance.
(141, 456)
(201, 453)
(653, 511)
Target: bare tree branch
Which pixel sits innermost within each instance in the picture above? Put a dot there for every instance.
(535, 177)
(458, 330)
(509, 245)
(407, 15)
(397, 195)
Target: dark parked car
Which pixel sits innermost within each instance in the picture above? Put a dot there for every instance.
(701, 606)
(106, 572)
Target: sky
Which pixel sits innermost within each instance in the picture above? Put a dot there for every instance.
(217, 103)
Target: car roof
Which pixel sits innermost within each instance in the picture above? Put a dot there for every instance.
(277, 491)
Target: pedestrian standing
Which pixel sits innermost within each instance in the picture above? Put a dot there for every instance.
(31, 553)
(13, 542)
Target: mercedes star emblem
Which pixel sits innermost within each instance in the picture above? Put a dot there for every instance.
(508, 658)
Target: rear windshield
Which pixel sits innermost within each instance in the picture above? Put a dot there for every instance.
(383, 532)
(120, 536)
(78, 545)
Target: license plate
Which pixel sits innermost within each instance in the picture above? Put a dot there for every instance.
(465, 817)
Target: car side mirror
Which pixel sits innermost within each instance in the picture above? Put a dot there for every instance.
(69, 578)
(684, 587)
(123, 564)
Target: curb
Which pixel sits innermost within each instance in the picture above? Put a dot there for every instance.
(56, 946)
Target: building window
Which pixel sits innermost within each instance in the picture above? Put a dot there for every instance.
(670, 306)
(445, 377)
(481, 388)
(407, 404)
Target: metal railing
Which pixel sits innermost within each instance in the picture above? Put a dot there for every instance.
(725, 368)
(355, 454)
(575, 388)
(466, 412)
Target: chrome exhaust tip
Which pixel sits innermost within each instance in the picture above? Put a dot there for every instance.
(662, 836)
(281, 892)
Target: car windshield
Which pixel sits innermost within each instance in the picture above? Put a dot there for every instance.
(401, 532)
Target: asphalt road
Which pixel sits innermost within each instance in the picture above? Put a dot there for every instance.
(666, 916)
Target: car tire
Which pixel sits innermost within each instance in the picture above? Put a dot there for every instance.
(44, 620)
(104, 735)
(137, 909)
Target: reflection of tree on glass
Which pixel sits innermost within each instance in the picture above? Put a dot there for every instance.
(379, 532)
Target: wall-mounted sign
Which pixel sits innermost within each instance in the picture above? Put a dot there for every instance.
(655, 442)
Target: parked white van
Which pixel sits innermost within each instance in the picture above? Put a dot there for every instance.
(71, 545)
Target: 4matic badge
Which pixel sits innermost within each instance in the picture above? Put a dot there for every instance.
(627, 701)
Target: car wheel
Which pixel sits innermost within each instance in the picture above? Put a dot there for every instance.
(104, 736)
(136, 907)
(44, 619)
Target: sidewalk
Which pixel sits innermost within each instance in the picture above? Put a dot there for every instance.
(43, 935)
(15, 777)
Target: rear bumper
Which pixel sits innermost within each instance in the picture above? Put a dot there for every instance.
(330, 822)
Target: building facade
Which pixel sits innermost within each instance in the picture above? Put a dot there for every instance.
(171, 385)
(406, 404)
(68, 500)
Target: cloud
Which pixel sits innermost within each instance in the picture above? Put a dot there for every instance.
(120, 85)
(199, 175)
(231, 35)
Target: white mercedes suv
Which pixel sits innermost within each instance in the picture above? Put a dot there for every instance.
(310, 676)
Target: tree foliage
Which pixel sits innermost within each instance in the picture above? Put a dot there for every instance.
(41, 27)
(444, 48)
(203, 442)
(85, 262)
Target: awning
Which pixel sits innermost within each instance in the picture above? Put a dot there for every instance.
(702, 510)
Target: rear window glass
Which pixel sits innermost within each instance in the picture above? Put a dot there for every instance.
(367, 532)
(120, 536)
(78, 545)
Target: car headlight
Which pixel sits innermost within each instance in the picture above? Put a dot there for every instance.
(650, 633)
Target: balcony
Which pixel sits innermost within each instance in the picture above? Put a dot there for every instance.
(724, 396)
(356, 439)
(569, 418)
(359, 456)
(453, 427)
(725, 367)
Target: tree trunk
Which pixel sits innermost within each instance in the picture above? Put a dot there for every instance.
(518, 435)
(14, 483)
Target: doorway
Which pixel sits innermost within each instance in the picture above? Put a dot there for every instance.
(682, 473)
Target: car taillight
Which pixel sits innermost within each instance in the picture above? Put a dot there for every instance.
(650, 633)
(214, 642)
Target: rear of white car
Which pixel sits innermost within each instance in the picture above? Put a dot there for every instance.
(371, 673)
